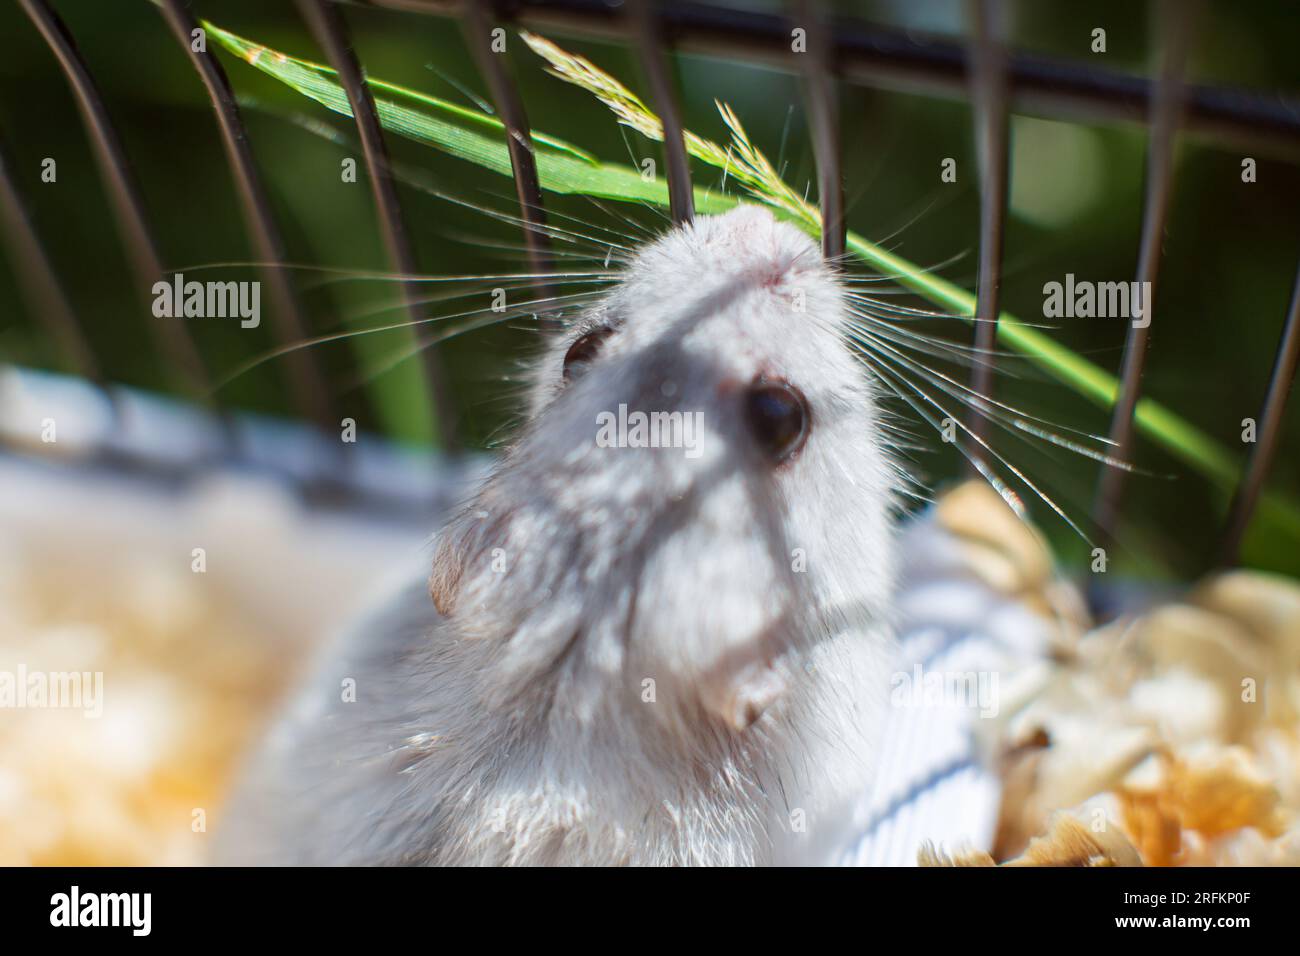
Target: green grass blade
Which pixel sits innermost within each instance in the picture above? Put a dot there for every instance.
(565, 168)
(464, 133)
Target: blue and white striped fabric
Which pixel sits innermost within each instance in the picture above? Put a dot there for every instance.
(935, 782)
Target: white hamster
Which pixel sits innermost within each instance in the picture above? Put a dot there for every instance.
(645, 640)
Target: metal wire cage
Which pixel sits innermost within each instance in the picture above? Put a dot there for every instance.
(842, 47)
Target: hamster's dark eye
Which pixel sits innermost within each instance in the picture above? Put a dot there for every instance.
(779, 418)
(584, 351)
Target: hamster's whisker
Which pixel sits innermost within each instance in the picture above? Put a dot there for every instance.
(486, 277)
(417, 179)
(878, 295)
(932, 348)
(521, 254)
(637, 233)
(485, 292)
(558, 233)
(898, 383)
(525, 309)
(959, 352)
(876, 333)
(288, 348)
(651, 207)
(1012, 419)
(1009, 365)
(301, 267)
(636, 236)
(418, 182)
(925, 210)
(871, 305)
(551, 231)
(345, 273)
(398, 304)
(423, 342)
(573, 255)
(640, 231)
(935, 267)
(624, 241)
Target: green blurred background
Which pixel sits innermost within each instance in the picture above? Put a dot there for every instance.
(1226, 276)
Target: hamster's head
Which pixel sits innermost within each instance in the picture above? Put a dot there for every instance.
(701, 493)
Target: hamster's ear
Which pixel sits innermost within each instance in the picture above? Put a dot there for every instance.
(444, 581)
(470, 553)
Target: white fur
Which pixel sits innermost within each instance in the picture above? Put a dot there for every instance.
(512, 728)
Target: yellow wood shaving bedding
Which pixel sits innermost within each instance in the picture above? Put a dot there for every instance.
(1169, 738)
(185, 683)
